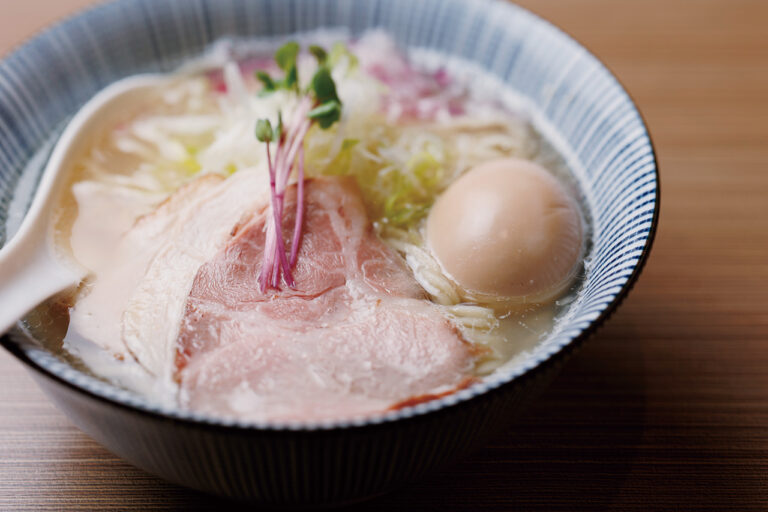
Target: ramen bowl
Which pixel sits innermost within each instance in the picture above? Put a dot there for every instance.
(584, 109)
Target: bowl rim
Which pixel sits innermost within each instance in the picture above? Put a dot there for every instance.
(431, 409)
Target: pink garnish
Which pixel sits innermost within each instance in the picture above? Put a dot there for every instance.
(299, 210)
(290, 147)
(319, 104)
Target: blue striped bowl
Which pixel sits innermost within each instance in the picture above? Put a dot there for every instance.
(44, 82)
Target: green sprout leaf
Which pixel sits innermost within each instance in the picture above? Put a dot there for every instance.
(285, 56)
(324, 109)
(291, 79)
(324, 87)
(264, 78)
(327, 121)
(326, 114)
(264, 131)
(320, 54)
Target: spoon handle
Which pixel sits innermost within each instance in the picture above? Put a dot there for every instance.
(29, 271)
(29, 276)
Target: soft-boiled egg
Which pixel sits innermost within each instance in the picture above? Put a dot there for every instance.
(507, 231)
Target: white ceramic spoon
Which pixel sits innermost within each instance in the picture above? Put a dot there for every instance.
(31, 270)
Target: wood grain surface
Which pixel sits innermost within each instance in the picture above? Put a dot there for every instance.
(666, 408)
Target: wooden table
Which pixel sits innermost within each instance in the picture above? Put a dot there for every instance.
(666, 408)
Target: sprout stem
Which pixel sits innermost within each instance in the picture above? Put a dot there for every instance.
(299, 209)
(319, 104)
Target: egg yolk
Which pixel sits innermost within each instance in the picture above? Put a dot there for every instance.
(507, 230)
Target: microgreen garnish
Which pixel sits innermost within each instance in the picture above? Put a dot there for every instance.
(320, 104)
(286, 55)
(323, 85)
(264, 131)
(326, 114)
(266, 80)
(319, 52)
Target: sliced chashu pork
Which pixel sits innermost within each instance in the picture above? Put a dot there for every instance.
(133, 307)
(355, 337)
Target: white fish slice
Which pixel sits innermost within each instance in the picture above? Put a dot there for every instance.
(31, 270)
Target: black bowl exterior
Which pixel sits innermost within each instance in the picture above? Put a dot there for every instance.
(294, 468)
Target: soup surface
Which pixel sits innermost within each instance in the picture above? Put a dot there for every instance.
(323, 233)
